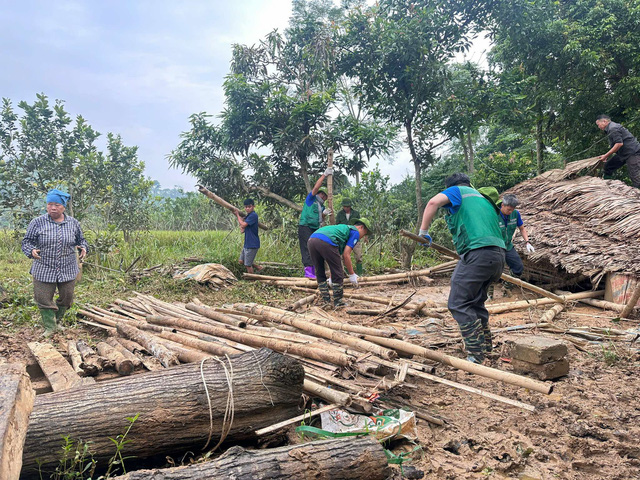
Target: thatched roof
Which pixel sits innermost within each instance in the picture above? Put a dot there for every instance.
(585, 224)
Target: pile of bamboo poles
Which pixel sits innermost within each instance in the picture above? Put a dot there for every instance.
(345, 364)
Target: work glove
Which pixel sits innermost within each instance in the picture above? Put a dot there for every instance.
(328, 171)
(329, 282)
(530, 248)
(327, 212)
(425, 234)
(354, 279)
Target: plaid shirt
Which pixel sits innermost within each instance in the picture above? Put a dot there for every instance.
(57, 243)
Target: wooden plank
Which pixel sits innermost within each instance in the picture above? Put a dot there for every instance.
(16, 403)
(58, 371)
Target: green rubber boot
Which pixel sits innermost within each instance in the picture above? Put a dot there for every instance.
(324, 292)
(359, 269)
(48, 320)
(60, 313)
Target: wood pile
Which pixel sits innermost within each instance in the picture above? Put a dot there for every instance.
(344, 364)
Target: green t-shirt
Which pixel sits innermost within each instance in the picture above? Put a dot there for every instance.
(341, 216)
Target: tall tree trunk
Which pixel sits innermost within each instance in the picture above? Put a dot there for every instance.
(304, 171)
(357, 175)
(417, 167)
(470, 156)
(463, 142)
(539, 143)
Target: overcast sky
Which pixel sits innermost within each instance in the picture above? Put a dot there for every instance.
(135, 68)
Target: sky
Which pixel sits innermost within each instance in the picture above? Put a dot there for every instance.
(136, 68)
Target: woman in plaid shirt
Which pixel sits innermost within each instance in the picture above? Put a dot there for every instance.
(51, 241)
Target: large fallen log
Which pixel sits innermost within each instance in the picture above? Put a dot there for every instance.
(346, 459)
(174, 412)
(16, 402)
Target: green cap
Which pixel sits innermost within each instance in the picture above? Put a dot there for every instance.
(491, 193)
(363, 221)
(346, 202)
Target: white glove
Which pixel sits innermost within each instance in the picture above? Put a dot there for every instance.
(354, 279)
(328, 171)
(327, 212)
(329, 282)
(530, 248)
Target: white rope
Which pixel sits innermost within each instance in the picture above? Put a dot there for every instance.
(261, 378)
(227, 421)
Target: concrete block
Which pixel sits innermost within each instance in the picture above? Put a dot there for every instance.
(546, 371)
(538, 350)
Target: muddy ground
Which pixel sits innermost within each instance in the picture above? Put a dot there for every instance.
(588, 428)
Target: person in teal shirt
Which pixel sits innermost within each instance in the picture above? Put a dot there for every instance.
(333, 244)
(473, 222)
(510, 219)
(313, 212)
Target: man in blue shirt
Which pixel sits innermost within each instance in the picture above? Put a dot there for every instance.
(510, 219)
(249, 225)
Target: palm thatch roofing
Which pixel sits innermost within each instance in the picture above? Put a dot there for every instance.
(583, 224)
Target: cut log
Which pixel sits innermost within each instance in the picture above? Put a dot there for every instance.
(126, 353)
(345, 459)
(166, 357)
(329, 394)
(223, 203)
(173, 407)
(122, 365)
(92, 364)
(460, 364)
(212, 314)
(550, 314)
(150, 363)
(76, 359)
(60, 374)
(16, 402)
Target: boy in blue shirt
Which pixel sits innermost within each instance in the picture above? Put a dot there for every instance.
(249, 225)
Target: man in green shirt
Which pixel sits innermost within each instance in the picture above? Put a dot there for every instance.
(311, 217)
(473, 223)
(328, 244)
(348, 216)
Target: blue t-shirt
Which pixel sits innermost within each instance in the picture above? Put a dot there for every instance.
(455, 197)
(505, 218)
(251, 239)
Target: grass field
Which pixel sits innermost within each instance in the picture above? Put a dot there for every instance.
(103, 278)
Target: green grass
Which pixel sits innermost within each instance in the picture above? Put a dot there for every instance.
(100, 285)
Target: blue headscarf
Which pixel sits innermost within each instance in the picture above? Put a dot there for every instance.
(58, 196)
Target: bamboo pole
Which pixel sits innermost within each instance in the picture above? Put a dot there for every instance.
(328, 355)
(435, 246)
(158, 350)
(268, 193)
(291, 421)
(302, 302)
(209, 347)
(460, 364)
(631, 304)
(332, 217)
(209, 312)
(550, 314)
(299, 322)
(223, 203)
(524, 304)
(329, 394)
(460, 386)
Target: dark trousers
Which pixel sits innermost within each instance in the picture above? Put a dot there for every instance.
(304, 233)
(43, 293)
(476, 270)
(515, 262)
(321, 252)
(633, 167)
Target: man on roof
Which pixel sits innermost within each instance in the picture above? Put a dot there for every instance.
(624, 149)
(473, 222)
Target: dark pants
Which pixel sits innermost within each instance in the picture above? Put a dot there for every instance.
(321, 252)
(304, 233)
(43, 293)
(515, 262)
(633, 167)
(476, 270)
